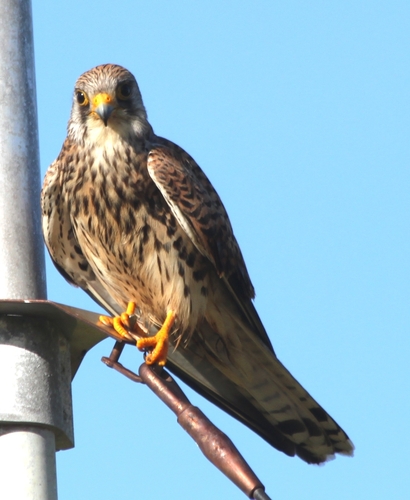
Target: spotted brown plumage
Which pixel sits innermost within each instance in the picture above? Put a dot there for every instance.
(130, 216)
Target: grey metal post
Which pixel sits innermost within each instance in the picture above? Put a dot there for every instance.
(35, 381)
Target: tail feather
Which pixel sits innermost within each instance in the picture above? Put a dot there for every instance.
(242, 357)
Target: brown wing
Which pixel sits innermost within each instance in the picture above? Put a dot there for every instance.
(225, 354)
(199, 210)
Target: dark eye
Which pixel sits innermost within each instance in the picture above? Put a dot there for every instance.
(82, 98)
(124, 91)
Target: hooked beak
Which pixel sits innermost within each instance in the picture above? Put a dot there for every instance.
(103, 106)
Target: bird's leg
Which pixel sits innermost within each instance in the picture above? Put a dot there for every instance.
(122, 323)
(158, 343)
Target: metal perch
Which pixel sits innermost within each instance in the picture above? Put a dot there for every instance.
(214, 444)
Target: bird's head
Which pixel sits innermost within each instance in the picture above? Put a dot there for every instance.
(107, 99)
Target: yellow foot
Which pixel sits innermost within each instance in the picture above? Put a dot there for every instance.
(121, 323)
(159, 342)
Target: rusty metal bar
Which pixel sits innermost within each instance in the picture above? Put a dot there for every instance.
(112, 362)
(214, 444)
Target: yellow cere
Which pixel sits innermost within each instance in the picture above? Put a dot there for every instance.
(102, 98)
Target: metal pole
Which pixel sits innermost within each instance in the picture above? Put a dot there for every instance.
(21, 247)
(35, 380)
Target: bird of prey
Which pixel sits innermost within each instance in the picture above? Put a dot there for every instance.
(133, 220)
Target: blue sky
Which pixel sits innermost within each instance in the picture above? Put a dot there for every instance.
(299, 114)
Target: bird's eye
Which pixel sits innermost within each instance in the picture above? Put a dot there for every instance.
(124, 91)
(81, 97)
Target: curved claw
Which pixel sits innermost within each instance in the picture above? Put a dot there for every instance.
(120, 323)
(159, 343)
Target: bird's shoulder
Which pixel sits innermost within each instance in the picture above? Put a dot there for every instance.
(199, 210)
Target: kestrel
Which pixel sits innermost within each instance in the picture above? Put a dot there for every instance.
(132, 219)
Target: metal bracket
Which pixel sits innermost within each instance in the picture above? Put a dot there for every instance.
(80, 327)
(83, 331)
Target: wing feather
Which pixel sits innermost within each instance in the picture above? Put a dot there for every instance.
(199, 210)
